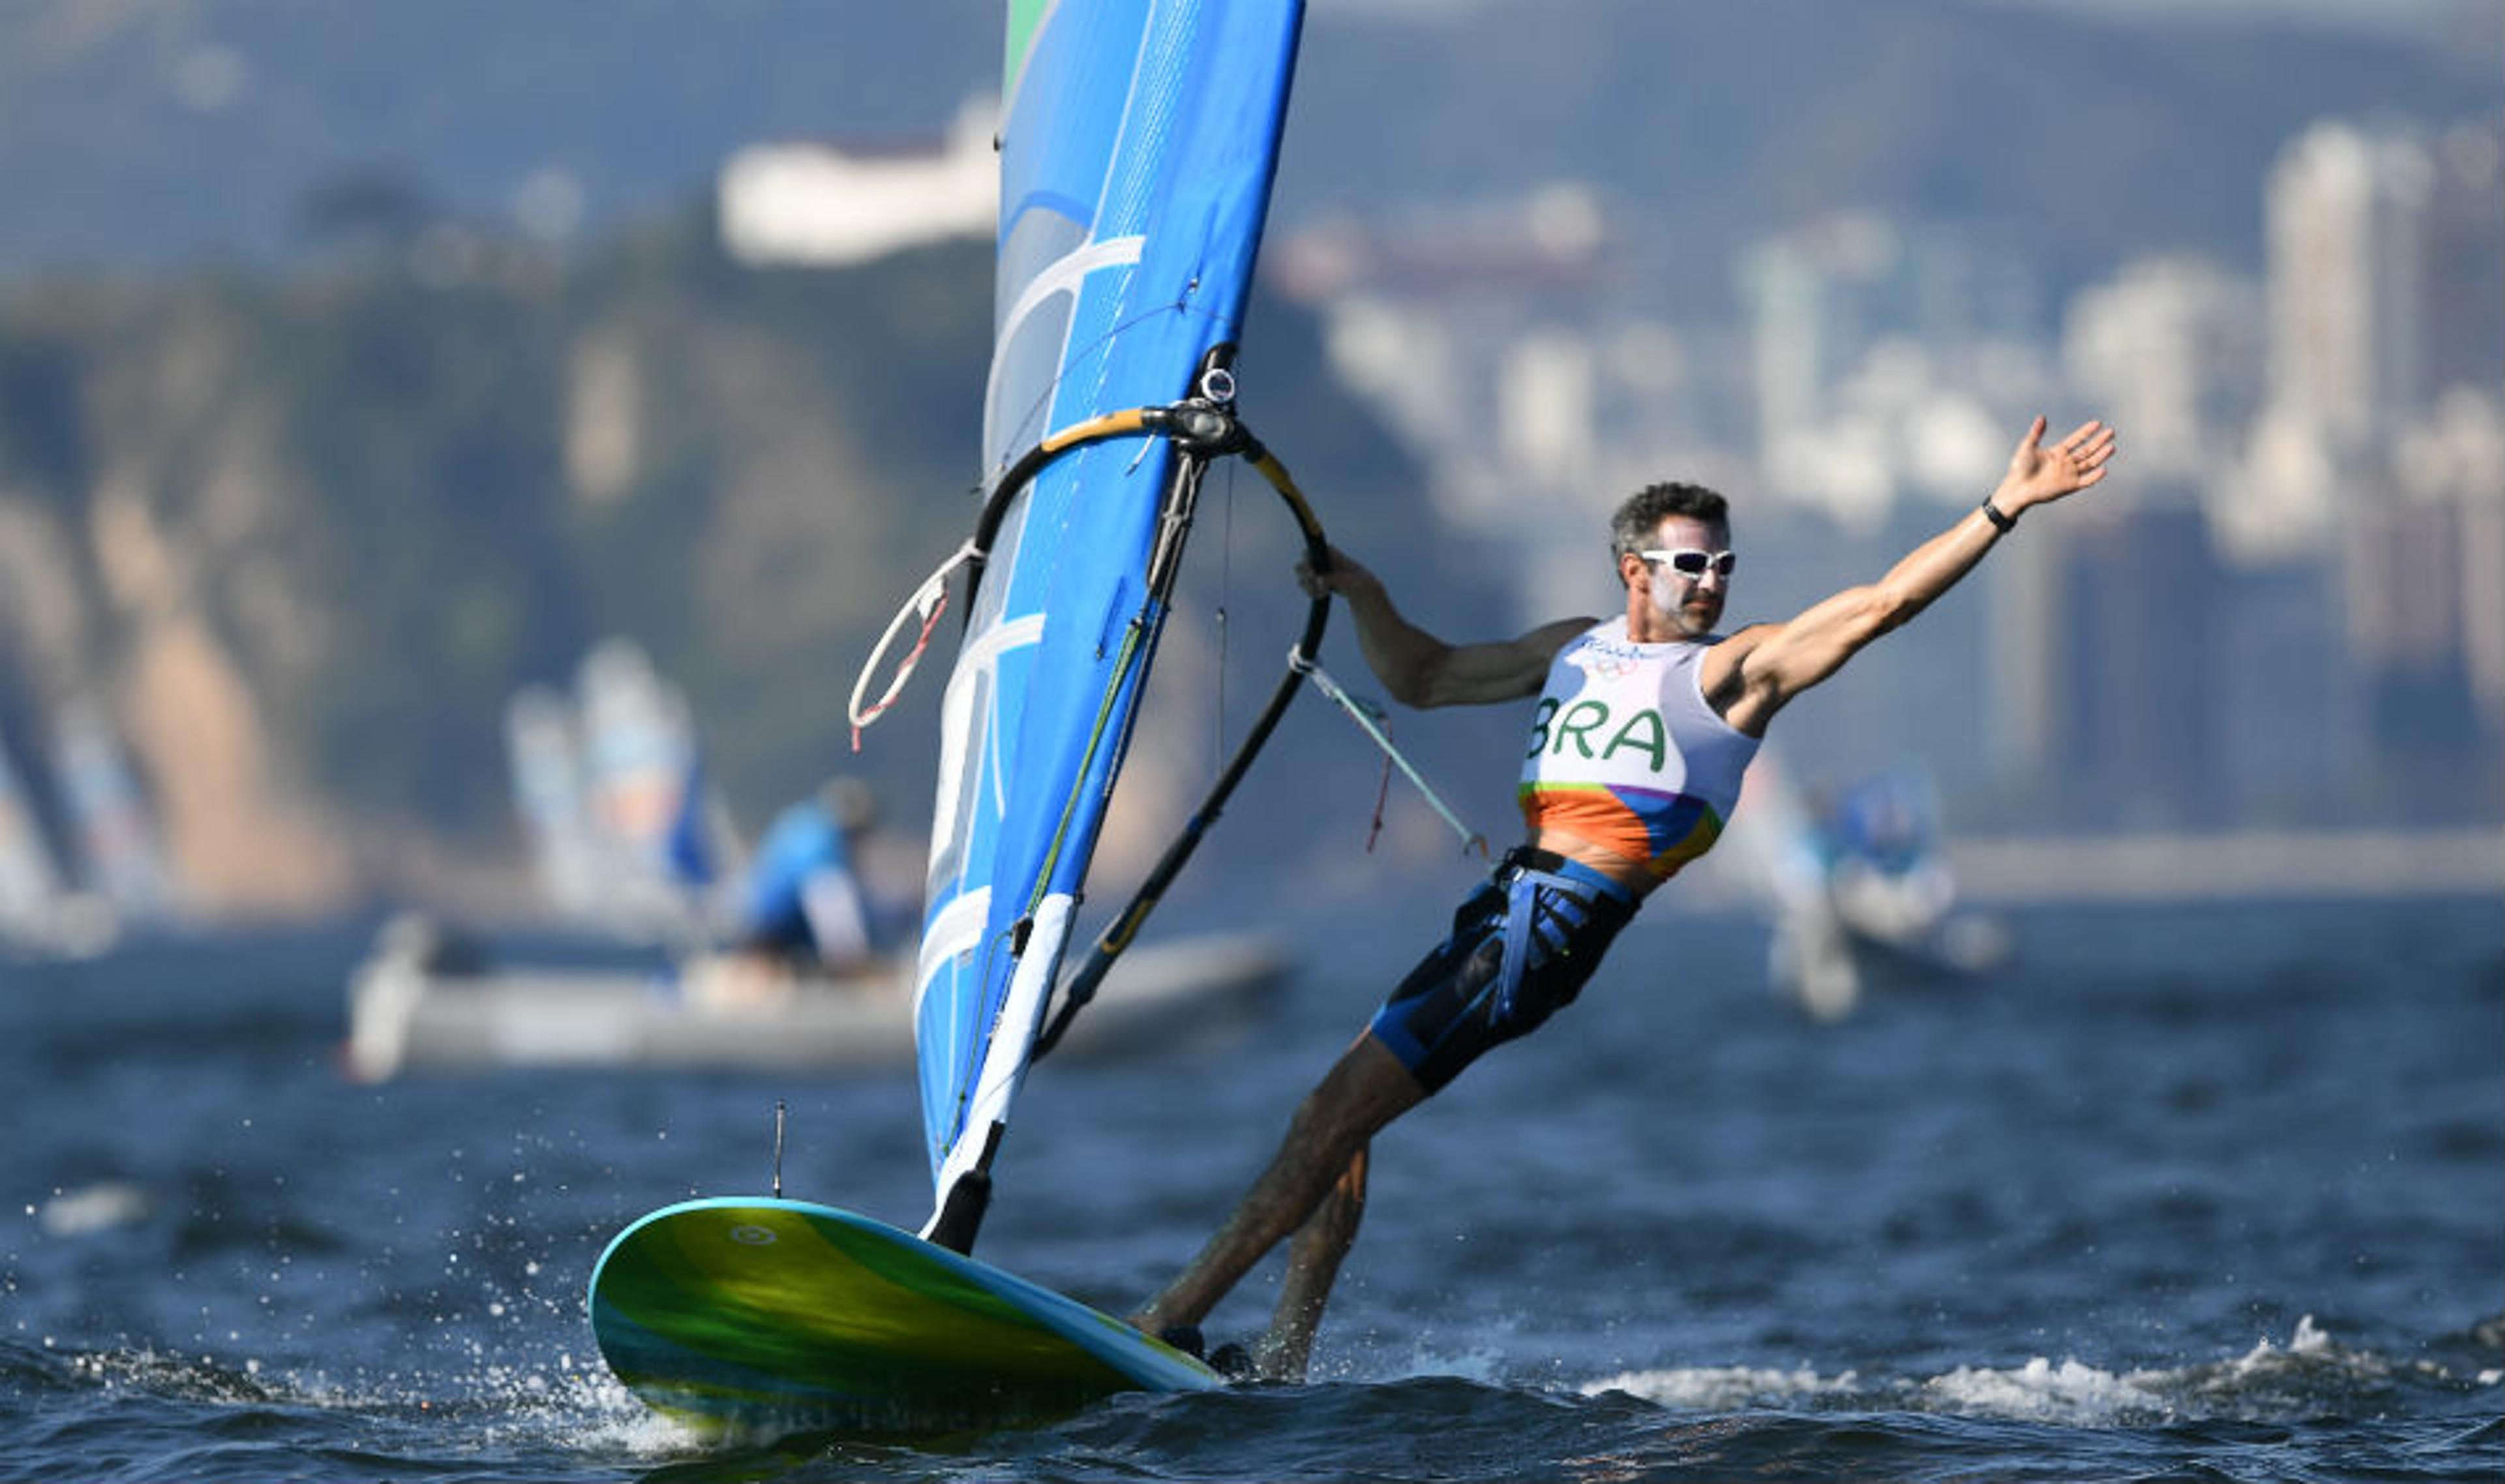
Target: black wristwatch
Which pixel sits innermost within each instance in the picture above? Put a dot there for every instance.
(1991, 512)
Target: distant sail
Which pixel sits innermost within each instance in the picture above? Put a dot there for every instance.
(638, 748)
(1137, 150)
(31, 883)
(116, 830)
(546, 758)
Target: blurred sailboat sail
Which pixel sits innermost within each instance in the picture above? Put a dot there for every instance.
(639, 748)
(74, 901)
(31, 883)
(548, 797)
(608, 786)
(110, 818)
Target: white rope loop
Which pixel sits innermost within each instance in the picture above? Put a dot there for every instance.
(925, 605)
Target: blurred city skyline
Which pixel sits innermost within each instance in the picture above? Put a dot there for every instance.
(2297, 578)
(2268, 242)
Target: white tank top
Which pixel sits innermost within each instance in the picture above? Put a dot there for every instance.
(1625, 752)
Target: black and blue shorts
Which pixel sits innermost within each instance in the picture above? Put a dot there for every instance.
(1521, 947)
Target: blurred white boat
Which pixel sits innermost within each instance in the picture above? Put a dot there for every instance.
(423, 1002)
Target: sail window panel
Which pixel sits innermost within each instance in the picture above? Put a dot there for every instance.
(1024, 369)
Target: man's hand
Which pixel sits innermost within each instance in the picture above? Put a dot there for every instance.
(1756, 672)
(1346, 575)
(2039, 475)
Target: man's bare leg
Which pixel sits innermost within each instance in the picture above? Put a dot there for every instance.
(1366, 1089)
(1314, 1258)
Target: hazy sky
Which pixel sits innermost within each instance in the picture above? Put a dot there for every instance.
(2426, 15)
(2425, 18)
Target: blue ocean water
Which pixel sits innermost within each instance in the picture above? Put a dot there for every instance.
(2195, 1193)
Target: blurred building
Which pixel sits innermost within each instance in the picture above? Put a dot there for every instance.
(2341, 425)
(2466, 259)
(819, 206)
(2384, 290)
(1470, 330)
(2348, 215)
(1508, 346)
(2380, 440)
(2108, 627)
(2421, 559)
(2289, 608)
(1888, 357)
(2171, 349)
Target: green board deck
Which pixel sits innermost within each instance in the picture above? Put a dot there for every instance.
(760, 1315)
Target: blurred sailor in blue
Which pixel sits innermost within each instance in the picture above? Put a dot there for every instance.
(804, 901)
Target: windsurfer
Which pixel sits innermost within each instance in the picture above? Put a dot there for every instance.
(1645, 726)
(803, 906)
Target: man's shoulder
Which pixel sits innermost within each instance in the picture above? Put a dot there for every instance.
(1722, 656)
(1740, 641)
(1723, 675)
(1557, 633)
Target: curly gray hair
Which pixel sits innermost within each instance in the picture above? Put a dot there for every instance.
(1638, 522)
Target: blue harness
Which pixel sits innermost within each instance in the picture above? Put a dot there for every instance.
(1521, 949)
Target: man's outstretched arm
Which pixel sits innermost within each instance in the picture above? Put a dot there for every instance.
(1752, 676)
(1424, 671)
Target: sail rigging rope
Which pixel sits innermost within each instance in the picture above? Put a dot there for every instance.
(1369, 717)
(1209, 439)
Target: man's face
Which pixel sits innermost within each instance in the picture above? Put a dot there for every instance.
(1689, 604)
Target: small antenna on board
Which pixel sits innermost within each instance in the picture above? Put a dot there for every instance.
(778, 1149)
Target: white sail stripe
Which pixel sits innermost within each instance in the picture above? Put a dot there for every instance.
(957, 927)
(1022, 1012)
(1004, 1065)
(949, 800)
(1062, 275)
(978, 661)
(983, 649)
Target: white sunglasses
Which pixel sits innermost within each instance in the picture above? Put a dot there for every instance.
(1693, 561)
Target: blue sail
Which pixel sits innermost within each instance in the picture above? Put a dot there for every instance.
(1138, 145)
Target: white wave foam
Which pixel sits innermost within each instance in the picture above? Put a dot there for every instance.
(2039, 1390)
(2268, 1380)
(1722, 1387)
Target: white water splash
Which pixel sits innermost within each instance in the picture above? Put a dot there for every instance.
(1483, 1363)
(2041, 1390)
(2268, 1380)
(1722, 1389)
